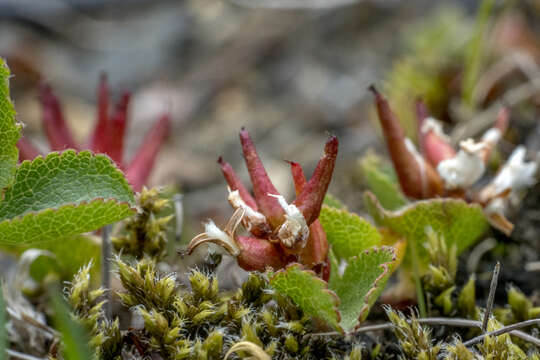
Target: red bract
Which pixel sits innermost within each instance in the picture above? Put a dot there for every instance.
(107, 137)
(279, 233)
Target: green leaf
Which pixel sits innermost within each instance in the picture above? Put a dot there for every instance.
(309, 292)
(70, 255)
(380, 178)
(332, 201)
(362, 282)
(456, 221)
(3, 322)
(63, 195)
(347, 233)
(74, 339)
(10, 130)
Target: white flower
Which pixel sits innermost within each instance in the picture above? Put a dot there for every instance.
(295, 229)
(516, 174)
(464, 169)
(252, 218)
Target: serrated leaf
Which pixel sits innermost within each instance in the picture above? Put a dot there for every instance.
(10, 130)
(347, 233)
(309, 292)
(75, 342)
(456, 221)
(63, 195)
(362, 282)
(380, 178)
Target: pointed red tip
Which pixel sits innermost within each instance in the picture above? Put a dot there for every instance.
(374, 90)
(235, 183)
(418, 179)
(56, 129)
(299, 179)
(310, 199)
(98, 140)
(117, 129)
(141, 166)
(262, 185)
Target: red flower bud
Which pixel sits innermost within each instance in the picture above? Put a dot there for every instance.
(310, 198)
(117, 129)
(418, 179)
(99, 139)
(141, 166)
(433, 144)
(262, 185)
(316, 250)
(258, 254)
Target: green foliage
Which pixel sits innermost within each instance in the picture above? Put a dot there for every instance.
(58, 196)
(146, 232)
(458, 223)
(520, 308)
(74, 338)
(10, 130)
(414, 340)
(347, 233)
(309, 292)
(380, 178)
(204, 323)
(363, 280)
(63, 195)
(3, 321)
(69, 255)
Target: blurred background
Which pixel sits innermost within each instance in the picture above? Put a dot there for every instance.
(291, 75)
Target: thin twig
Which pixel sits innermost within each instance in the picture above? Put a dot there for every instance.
(438, 321)
(477, 253)
(491, 296)
(507, 329)
(22, 356)
(106, 254)
(179, 214)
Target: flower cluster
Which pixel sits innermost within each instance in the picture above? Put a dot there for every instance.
(440, 170)
(107, 137)
(279, 233)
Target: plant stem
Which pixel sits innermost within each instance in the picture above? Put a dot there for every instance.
(418, 284)
(106, 254)
(491, 296)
